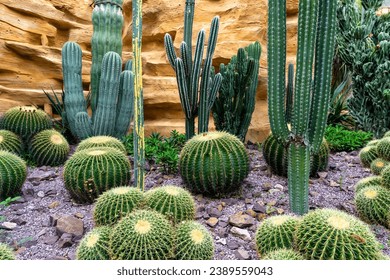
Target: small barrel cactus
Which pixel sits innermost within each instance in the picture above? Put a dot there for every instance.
(213, 163)
(383, 148)
(329, 234)
(275, 155)
(94, 245)
(373, 204)
(378, 165)
(368, 154)
(387, 134)
(367, 182)
(6, 253)
(116, 203)
(13, 173)
(386, 177)
(10, 142)
(25, 121)
(193, 242)
(373, 142)
(89, 173)
(48, 147)
(174, 202)
(101, 141)
(142, 235)
(283, 254)
(276, 232)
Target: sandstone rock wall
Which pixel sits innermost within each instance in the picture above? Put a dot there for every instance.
(33, 32)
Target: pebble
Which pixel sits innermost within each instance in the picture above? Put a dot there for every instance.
(65, 240)
(50, 240)
(242, 254)
(232, 245)
(241, 220)
(41, 194)
(79, 215)
(241, 233)
(221, 241)
(71, 225)
(214, 212)
(260, 208)
(54, 204)
(8, 225)
(212, 222)
(334, 184)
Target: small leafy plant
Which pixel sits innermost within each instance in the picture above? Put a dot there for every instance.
(342, 139)
(6, 202)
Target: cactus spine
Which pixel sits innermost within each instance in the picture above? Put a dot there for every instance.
(316, 38)
(189, 72)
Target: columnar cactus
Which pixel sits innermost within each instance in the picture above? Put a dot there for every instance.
(283, 254)
(6, 253)
(116, 203)
(10, 142)
(174, 202)
(193, 242)
(190, 74)
(213, 162)
(13, 173)
(101, 141)
(95, 245)
(25, 121)
(316, 38)
(89, 173)
(48, 147)
(142, 235)
(367, 182)
(328, 234)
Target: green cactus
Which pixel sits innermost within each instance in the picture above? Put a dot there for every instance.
(275, 155)
(142, 235)
(48, 147)
(367, 182)
(193, 242)
(95, 245)
(329, 234)
(10, 142)
(188, 72)
(386, 177)
(214, 162)
(174, 202)
(377, 165)
(373, 142)
(13, 173)
(274, 233)
(6, 253)
(116, 203)
(373, 204)
(236, 98)
(367, 155)
(25, 121)
(316, 39)
(387, 134)
(89, 173)
(283, 254)
(101, 141)
(383, 148)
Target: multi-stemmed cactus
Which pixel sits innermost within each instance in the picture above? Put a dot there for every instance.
(111, 89)
(95, 245)
(101, 141)
(13, 173)
(10, 142)
(316, 38)
(191, 74)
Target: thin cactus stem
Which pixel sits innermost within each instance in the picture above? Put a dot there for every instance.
(188, 24)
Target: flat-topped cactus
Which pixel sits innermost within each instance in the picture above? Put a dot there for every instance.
(13, 173)
(101, 141)
(377, 165)
(6, 253)
(10, 142)
(385, 174)
(283, 254)
(368, 154)
(367, 182)
(383, 148)
(94, 245)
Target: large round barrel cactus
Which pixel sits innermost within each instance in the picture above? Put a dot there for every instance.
(94, 245)
(25, 121)
(368, 154)
(283, 254)
(275, 155)
(101, 141)
(48, 147)
(13, 173)
(89, 173)
(6, 253)
(328, 234)
(193, 242)
(378, 165)
(367, 182)
(383, 148)
(213, 162)
(386, 177)
(10, 142)
(142, 235)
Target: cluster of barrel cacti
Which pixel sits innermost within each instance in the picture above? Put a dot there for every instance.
(376, 154)
(322, 234)
(155, 225)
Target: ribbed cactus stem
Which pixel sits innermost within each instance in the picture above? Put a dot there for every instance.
(188, 24)
(290, 92)
(125, 103)
(83, 124)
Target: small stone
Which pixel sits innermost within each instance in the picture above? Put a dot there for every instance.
(18, 221)
(50, 240)
(260, 208)
(279, 187)
(221, 241)
(272, 191)
(53, 220)
(212, 222)
(261, 216)
(41, 194)
(79, 215)
(334, 184)
(54, 204)
(42, 232)
(251, 213)
(214, 212)
(65, 241)
(242, 254)
(199, 215)
(248, 201)
(29, 242)
(241, 220)
(272, 203)
(223, 204)
(8, 225)
(323, 174)
(241, 233)
(220, 207)
(222, 224)
(266, 186)
(71, 225)
(232, 245)
(221, 232)
(280, 211)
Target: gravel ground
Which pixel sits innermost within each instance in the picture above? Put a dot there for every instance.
(30, 224)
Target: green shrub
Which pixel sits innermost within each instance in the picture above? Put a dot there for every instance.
(6, 252)
(101, 141)
(10, 142)
(283, 254)
(13, 173)
(341, 139)
(95, 245)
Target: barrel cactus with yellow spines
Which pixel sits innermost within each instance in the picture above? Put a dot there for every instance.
(116, 203)
(174, 202)
(89, 173)
(373, 142)
(142, 235)
(329, 234)
(13, 173)
(48, 147)
(367, 182)
(383, 148)
(283, 254)
(101, 141)
(276, 232)
(6, 253)
(213, 163)
(95, 245)
(378, 165)
(26, 121)
(373, 204)
(368, 154)
(193, 242)
(10, 142)
(385, 174)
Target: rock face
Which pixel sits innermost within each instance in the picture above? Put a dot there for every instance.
(33, 32)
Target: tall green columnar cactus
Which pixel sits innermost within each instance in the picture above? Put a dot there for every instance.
(316, 38)
(188, 72)
(139, 140)
(235, 102)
